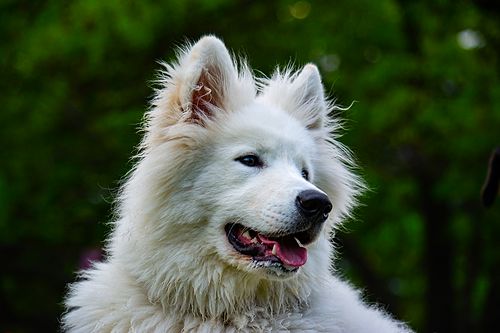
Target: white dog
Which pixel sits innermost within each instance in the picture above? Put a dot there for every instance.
(224, 224)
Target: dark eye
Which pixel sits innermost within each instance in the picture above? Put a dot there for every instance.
(305, 174)
(250, 160)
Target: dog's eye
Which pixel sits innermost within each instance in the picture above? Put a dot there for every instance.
(305, 174)
(250, 160)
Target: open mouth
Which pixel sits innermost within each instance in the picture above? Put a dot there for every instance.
(287, 251)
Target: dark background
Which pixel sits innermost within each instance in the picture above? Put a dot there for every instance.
(424, 76)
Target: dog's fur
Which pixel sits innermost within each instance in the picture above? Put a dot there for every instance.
(170, 267)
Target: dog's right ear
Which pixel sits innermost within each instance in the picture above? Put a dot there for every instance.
(207, 73)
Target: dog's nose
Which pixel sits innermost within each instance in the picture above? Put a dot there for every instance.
(313, 204)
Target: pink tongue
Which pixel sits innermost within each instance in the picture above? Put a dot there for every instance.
(288, 251)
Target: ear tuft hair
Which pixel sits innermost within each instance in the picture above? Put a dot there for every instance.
(299, 93)
(203, 82)
(310, 97)
(210, 75)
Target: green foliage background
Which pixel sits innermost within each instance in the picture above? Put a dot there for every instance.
(424, 76)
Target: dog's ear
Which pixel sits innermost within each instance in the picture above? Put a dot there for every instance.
(308, 93)
(209, 74)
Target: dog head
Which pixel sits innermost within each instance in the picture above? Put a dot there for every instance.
(241, 170)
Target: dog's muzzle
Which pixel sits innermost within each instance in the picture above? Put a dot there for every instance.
(286, 249)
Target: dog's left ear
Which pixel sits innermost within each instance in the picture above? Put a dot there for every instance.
(309, 96)
(209, 75)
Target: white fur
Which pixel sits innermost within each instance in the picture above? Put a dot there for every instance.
(170, 267)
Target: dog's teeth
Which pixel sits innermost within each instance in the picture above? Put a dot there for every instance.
(274, 250)
(254, 240)
(246, 234)
(298, 242)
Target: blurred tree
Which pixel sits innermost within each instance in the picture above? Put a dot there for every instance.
(425, 76)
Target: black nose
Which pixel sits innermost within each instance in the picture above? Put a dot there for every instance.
(313, 204)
